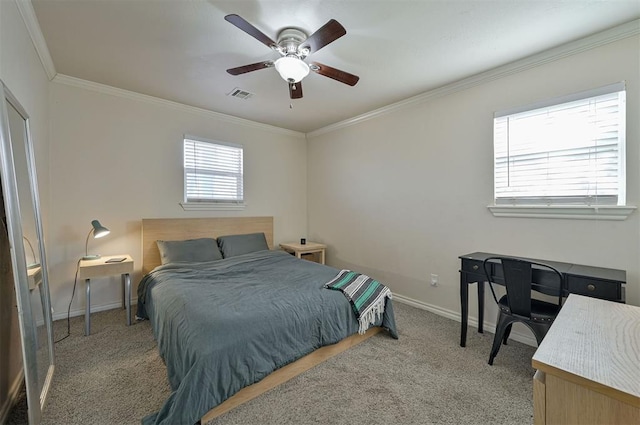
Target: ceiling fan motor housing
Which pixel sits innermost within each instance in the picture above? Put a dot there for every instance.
(289, 41)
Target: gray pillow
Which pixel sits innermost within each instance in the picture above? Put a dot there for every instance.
(233, 245)
(190, 250)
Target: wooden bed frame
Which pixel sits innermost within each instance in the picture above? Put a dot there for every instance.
(170, 229)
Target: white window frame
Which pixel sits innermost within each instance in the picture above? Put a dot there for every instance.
(540, 207)
(191, 204)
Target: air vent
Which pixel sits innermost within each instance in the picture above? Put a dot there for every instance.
(240, 94)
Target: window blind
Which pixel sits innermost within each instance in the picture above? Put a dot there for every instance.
(564, 153)
(213, 172)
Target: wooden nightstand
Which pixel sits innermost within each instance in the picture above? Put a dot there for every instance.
(34, 276)
(300, 250)
(101, 268)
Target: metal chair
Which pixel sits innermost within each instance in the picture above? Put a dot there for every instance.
(517, 305)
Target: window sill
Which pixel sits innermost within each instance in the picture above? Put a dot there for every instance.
(211, 206)
(608, 212)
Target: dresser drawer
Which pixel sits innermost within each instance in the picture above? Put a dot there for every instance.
(605, 290)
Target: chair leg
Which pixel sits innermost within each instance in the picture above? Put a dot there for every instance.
(504, 322)
(507, 332)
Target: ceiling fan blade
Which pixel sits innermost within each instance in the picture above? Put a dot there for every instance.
(295, 90)
(328, 33)
(336, 74)
(248, 68)
(250, 29)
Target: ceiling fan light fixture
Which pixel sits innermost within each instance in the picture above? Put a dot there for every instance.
(292, 69)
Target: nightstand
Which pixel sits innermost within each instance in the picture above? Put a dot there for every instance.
(300, 250)
(101, 268)
(34, 276)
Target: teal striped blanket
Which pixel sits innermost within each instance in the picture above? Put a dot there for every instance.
(367, 296)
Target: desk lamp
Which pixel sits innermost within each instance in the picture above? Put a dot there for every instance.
(98, 231)
(33, 254)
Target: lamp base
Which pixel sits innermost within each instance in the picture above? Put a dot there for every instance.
(91, 257)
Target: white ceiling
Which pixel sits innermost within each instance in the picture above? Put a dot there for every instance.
(179, 50)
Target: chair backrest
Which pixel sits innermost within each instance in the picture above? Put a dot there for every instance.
(518, 277)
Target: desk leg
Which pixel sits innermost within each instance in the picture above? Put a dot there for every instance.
(126, 282)
(480, 306)
(87, 312)
(464, 307)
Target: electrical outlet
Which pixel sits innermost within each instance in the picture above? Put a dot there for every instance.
(434, 279)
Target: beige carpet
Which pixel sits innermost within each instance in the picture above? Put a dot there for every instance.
(115, 376)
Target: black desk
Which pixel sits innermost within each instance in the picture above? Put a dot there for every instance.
(594, 282)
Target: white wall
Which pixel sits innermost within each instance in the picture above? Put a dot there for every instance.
(23, 73)
(417, 201)
(403, 194)
(118, 159)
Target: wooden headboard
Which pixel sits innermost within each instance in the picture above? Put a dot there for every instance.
(176, 229)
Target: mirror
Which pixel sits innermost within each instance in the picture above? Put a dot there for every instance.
(23, 226)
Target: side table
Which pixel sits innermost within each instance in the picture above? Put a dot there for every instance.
(101, 268)
(299, 250)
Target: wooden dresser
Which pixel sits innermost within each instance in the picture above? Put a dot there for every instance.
(588, 365)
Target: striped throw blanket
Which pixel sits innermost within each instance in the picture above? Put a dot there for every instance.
(367, 296)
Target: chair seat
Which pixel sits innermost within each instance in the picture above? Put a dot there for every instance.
(541, 311)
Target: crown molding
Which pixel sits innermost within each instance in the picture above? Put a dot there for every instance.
(33, 27)
(37, 38)
(620, 32)
(113, 91)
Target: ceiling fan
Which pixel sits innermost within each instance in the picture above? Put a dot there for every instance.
(294, 46)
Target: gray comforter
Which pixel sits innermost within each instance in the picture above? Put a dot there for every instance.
(226, 324)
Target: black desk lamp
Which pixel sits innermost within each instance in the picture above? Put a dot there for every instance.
(98, 231)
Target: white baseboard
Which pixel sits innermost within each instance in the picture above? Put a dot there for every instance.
(449, 314)
(94, 309)
(12, 397)
(455, 315)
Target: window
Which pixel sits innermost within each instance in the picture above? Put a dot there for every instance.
(568, 151)
(212, 172)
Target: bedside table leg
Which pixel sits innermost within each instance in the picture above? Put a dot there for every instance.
(126, 280)
(87, 312)
(124, 293)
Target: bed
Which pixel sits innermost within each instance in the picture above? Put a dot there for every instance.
(229, 329)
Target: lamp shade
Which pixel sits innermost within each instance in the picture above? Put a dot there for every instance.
(98, 229)
(292, 69)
